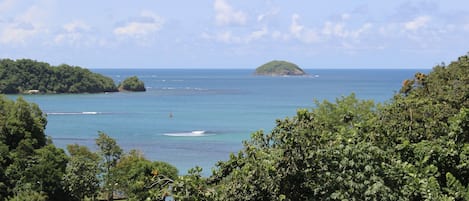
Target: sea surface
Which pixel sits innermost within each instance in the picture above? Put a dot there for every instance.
(197, 117)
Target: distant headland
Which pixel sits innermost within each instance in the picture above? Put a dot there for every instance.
(279, 68)
(26, 76)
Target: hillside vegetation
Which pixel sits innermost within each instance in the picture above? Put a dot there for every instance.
(413, 147)
(279, 68)
(29, 76)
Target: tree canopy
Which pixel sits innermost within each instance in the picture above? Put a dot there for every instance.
(81, 174)
(141, 179)
(31, 167)
(132, 84)
(29, 76)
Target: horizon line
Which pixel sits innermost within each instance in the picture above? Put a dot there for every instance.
(206, 68)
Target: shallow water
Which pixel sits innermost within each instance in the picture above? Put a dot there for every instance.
(198, 117)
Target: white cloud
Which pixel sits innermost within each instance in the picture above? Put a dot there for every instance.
(466, 27)
(331, 29)
(417, 23)
(6, 5)
(226, 15)
(24, 27)
(278, 35)
(77, 26)
(295, 27)
(18, 33)
(147, 24)
(338, 30)
(419, 32)
(330, 32)
(76, 34)
(227, 37)
(301, 33)
(345, 16)
(341, 33)
(388, 30)
(230, 38)
(259, 34)
(264, 16)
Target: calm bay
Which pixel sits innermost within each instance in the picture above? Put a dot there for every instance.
(198, 117)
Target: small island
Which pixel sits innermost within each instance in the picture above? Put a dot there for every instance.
(132, 84)
(279, 68)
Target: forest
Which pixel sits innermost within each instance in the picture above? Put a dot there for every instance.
(29, 76)
(415, 146)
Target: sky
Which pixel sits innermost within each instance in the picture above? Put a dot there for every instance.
(235, 33)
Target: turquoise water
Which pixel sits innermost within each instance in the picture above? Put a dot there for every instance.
(198, 117)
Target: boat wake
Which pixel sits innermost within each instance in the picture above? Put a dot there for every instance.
(196, 133)
(74, 113)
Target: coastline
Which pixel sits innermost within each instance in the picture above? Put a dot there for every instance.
(230, 103)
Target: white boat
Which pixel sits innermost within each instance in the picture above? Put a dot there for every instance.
(195, 133)
(199, 132)
(92, 113)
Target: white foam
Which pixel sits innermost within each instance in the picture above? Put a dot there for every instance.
(90, 113)
(73, 113)
(195, 133)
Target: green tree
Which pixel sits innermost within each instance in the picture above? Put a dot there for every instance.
(110, 152)
(81, 175)
(76, 150)
(27, 157)
(3, 165)
(132, 84)
(26, 193)
(141, 179)
(193, 186)
(23, 75)
(426, 127)
(22, 121)
(42, 170)
(323, 154)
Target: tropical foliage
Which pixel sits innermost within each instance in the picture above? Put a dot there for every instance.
(30, 165)
(141, 179)
(81, 174)
(29, 76)
(132, 84)
(413, 147)
(110, 153)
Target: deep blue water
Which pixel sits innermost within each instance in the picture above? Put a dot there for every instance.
(166, 121)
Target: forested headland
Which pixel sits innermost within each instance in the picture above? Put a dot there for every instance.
(29, 76)
(413, 147)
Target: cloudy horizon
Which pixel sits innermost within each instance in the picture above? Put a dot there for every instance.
(235, 34)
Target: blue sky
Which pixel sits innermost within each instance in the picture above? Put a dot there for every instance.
(235, 34)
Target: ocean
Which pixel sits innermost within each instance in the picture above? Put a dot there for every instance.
(197, 117)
